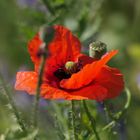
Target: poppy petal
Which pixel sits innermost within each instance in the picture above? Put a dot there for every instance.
(87, 74)
(33, 48)
(112, 80)
(65, 47)
(26, 81)
(108, 84)
(92, 92)
(84, 59)
(49, 92)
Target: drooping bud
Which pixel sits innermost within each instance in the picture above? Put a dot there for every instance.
(97, 49)
(46, 33)
(42, 50)
(71, 67)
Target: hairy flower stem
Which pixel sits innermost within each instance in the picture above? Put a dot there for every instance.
(46, 34)
(13, 106)
(119, 114)
(74, 120)
(108, 112)
(92, 120)
(37, 97)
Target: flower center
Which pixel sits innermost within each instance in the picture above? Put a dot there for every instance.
(66, 72)
(71, 67)
(60, 73)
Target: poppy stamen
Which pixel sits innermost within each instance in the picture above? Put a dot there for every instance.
(71, 67)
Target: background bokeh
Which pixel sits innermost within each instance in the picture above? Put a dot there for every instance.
(115, 22)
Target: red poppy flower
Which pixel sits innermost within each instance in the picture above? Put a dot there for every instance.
(90, 79)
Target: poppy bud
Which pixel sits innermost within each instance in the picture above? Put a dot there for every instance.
(42, 50)
(71, 67)
(97, 49)
(46, 33)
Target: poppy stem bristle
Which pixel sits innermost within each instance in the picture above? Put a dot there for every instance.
(74, 120)
(120, 114)
(13, 106)
(91, 119)
(38, 89)
(46, 34)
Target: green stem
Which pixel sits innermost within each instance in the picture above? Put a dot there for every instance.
(46, 34)
(13, 106)
(108, 112)
(92, 120)
(119, 115)
(37, 97)
(108, 125)
(60, 121)
(58, 128)
(74, 120)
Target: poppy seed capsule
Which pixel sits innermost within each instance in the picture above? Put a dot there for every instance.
(71, 67)
(97, 49)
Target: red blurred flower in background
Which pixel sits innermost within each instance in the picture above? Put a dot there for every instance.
(68, 74)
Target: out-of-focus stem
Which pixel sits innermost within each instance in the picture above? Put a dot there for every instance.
(74, 120)
(13, 106)
(58, 128)
(92, 120)
(108, 125)
(60, 121)
(119, 115)
(46, 34)
(108, 112)
(37, 97)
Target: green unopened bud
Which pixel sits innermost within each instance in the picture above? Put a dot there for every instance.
(46, 33)
(71, 67)
(97, 49)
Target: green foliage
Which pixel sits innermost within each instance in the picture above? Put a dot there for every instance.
(114, 22)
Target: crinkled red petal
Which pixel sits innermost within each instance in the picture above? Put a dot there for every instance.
(112, 80)
(33, 48)
(64, 47)
(87, 74)
(84, 59)
(26, 81)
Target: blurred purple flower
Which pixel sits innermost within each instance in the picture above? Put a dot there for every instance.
(100, 107)
(101, 111)
(122, 130)
(26, 3)
(34, 4)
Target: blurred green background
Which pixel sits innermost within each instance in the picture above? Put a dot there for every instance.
(115, 22)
